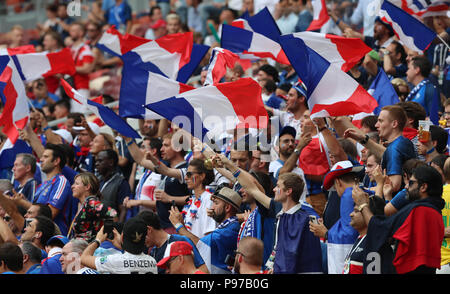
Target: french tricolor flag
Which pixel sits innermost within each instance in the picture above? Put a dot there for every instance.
(320, 15)
(424, 8)
(140, 87)
(254, 38)
(209, 111)
(341, 51)
(108, 116)
(413, 33)
(330, 91)
(165, 56)
(220, 60)
(32, 66)
(12, 92)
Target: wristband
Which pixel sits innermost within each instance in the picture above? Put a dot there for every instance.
(178, 226)
(237, 173)
(97, 242)
(45, 129)
(430, 151)
(131, 142)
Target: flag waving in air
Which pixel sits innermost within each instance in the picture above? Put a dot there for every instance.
(12, 93)
(209, 111)
(32, 66)
(320, 16)
(108, 116)
(344, 52)
(254, 38)
(413, 33)
(330, 91)
(165, 56)
(220, 60)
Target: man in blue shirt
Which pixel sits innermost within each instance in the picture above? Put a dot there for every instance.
(56, 191)
(120, 16)
(32, 257)
(24, 170)
(424, 92)
(11, 259)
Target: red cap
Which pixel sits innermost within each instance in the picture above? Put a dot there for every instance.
(175, 249)
(159, 23)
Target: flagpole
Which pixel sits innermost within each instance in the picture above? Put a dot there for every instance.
(442, 40)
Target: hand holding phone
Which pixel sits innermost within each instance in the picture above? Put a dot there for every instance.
(313, 219)
(108, 229)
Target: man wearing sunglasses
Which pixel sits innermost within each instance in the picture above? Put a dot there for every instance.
(417, 229)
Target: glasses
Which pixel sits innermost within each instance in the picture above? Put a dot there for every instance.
(237, 252)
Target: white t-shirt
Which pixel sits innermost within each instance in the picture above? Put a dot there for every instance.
(126, 263)
(196, 219)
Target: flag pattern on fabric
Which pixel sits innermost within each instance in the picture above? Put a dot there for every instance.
(330, 91)
(198, 52)
(165, 56)
(220, 60)
(344, 52)
(413, 33)
(16, 110)
(254, 38)
(32, 66)
(384, 93)
(424, 8)
(140, 87)
(108, 116)
(19, 50)
(320, 15)
(209, 111)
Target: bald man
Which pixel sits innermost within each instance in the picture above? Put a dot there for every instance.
(249, 256)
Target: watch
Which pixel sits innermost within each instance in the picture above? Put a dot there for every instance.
(365, 140)
(97, 242)
(297, 151)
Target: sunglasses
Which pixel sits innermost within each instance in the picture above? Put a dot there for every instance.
(6, 218)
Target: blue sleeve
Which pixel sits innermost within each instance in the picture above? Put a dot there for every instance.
(400, 200)
(198, 260)
(341, 232)
(392, 161)
(60, 193)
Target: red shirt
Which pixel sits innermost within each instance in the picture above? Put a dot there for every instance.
(82, 55)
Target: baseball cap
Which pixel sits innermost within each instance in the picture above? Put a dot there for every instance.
(159, 23)
(300, 87)
(230, 196)
(62, 240)
(288, 130)
(339, 169)
(386, 24)
(65, 134)
(134, 232)
(175, 249)
(94, 127)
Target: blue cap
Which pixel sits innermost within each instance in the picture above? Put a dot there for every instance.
(58, 238)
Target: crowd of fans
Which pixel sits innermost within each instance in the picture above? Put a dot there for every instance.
(328, 193)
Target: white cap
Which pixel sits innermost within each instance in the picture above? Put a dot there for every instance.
(94, 127)
(65, 134)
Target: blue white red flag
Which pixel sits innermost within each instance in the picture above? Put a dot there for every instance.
(220, 60)
(410, 31)
(140, 87)
(382, 90)
(108, 116)
(165, 56)
(16, 109)
(209, 111)
(320, 15)
(330, 91)
(254, 38)
(344, 52)
(32, 66)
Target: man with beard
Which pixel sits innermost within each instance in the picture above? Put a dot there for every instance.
(220, 243)
(417, 229)
(56, 191)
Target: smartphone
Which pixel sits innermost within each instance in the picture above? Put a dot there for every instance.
(229, 260)
(313, 219)
(108, 228)
(173, 203)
